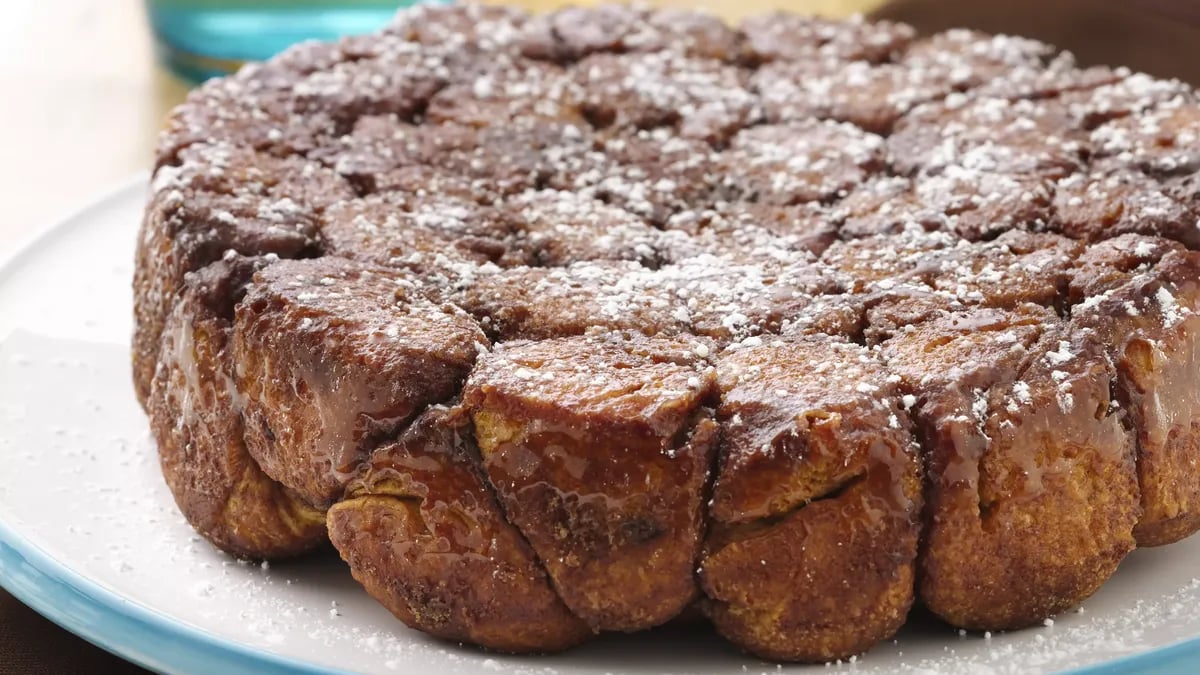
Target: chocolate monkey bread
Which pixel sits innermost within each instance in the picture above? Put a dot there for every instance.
(577, 322)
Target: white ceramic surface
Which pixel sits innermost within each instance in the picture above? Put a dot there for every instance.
(79, 482)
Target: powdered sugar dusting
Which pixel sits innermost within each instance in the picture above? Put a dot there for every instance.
(626, 174)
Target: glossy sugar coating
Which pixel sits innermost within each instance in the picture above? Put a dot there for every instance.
(815, 510)
(333, 357)
(192, 405)
(600, 449)
(425, 536)
(582, 321)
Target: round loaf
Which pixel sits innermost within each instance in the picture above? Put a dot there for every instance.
(584, 321)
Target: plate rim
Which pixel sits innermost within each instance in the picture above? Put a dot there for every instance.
(156, 641)
(130, 630)
(37, 236)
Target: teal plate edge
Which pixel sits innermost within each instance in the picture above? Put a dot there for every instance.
(162, 644)
(129, 630)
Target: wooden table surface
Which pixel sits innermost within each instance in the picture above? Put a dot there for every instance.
(84, 99)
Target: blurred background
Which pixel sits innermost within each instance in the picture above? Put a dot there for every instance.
(87, 84)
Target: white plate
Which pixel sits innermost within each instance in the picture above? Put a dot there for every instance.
(90, 537)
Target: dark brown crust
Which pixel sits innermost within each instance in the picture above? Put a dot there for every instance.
(572, 33)
(785, 36)
(816, 502)
(985, 236)
(422, 532)
(221, 198)
(1112, 200)
(1021, 137)
(798, 162)
(333, 357)
(1149, 321)
(197, 422)
(1032, 493)
(606, 481)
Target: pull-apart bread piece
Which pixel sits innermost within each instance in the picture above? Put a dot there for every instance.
(1142, 296)
(971, 203)
(908, 278)
(706, 295)
(423, 532)
(220, 198)
(1110, 200)
(700, 98)
(599, 448)
(334, 357)
(535, 303)
(425, 233)
(195, 414)
(875, 95)
(1032, 493)
(815, 510)
(783, 36)
(1023, 137)
(799, 162)
(750, 231)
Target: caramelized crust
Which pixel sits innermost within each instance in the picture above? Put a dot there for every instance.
(703, 295)
(816, 501)
(571, 33)
(334, 357)
(747, 232)
(539, 303)
(699, 98)
(221, 198)
(1133, 94)
(600, 448)
(870, 96)
(1016, 268)
(1146, 312)
(655, 174)
(421, 233)
(310, 96)
(554, 228)
(490, 28)
(492, 160)
(1032, 492)
(977, 57)
(799, 162)
(196, 418)
(1111, 200)
(878, 263)
(1161, 142)
(423, 533)
(729, 301)
(972, 204)
(509, 92)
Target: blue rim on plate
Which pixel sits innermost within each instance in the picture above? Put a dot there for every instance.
(158, 642)
(127, 629)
